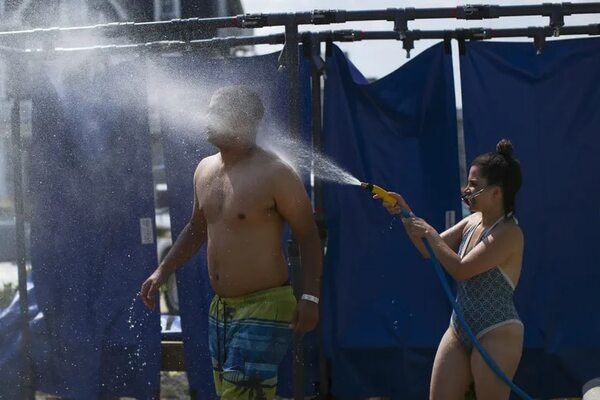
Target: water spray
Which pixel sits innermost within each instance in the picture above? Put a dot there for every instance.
(404, 213)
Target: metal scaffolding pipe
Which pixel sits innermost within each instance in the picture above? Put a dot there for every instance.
(347, 35)
(462, 34)
(400, 17)
(312, 48)
(169, 45)
(114, 29)
(17, 160)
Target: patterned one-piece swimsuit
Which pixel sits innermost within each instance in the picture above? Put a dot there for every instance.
(486, 300)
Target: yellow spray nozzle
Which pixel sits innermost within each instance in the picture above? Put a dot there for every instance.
(385, 196)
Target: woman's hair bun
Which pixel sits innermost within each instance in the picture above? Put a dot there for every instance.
(504, 148)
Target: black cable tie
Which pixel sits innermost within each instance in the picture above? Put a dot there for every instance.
(400, 21)
(347, 35)
(461, 36)
(448, 42)
(401, 18)
(567, 8)
(478, 34)
(477, 11)
(253, 21)
(325, 17)
(408, 43)
(539, 40)
(557, 16)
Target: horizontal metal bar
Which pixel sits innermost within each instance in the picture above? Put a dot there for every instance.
(12, 50)
(113, 29)
(168, 45)
(465, 34)
(316, 17)
(323, 36)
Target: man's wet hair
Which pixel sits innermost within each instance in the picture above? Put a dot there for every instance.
(242, 101)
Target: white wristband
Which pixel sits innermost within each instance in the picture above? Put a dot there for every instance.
(309, 297)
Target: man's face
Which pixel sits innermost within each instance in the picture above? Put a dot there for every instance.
(227, 127)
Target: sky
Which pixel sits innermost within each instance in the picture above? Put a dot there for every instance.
(377, 58)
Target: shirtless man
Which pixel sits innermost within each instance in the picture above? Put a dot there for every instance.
(243, 196)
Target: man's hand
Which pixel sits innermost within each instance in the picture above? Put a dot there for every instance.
(306, 317)
(150, 287)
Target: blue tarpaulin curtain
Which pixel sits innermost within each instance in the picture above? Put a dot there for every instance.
(184, 146)
(91, 191)
(13, 363)
(547, 105)
(385, 310)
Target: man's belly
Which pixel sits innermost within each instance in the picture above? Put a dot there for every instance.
(237, 269)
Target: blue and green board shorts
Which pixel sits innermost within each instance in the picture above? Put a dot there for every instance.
(248, 338)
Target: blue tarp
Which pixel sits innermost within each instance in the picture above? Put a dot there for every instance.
(548, 106)
(195, 79)
(91, 191)
(13, 364)
(385, 310)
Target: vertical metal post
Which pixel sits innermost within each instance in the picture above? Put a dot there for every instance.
(317, 70)
(298, 345)
(17, 160)
(293, 69)
(316, 74)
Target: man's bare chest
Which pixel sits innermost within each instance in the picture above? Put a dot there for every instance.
(235, 197)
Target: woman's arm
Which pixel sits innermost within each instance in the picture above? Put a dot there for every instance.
(394, 209)
(452, 236)
(489, 253)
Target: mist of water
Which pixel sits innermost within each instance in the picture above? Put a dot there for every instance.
(135, 355)
(4, 154)
(180, 102)
(184, 103)
(304, 160)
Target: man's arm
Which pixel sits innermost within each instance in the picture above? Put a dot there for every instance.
(294, 206)
(191, 238)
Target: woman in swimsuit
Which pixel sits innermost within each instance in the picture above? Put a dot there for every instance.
(483, 253)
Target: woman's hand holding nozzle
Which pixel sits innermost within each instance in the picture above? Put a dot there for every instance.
(393, 202)
(394, 208)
